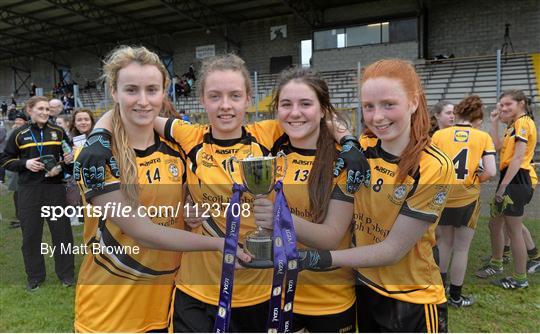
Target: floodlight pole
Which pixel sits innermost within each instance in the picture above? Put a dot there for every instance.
(256, 96)
(498, 84)
(358, 118)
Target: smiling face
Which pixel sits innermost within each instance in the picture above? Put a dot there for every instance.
(83, 123)
(387, 112)
(139, 93)
(510, 109)
(39, 113)
(300, 114)
(63, 124)
(446, 118)
(225, 100)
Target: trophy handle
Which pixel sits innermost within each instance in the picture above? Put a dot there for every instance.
(230, 162)
(284, 156)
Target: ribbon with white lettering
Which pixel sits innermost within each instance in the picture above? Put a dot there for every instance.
(285, 263)
(223, 316)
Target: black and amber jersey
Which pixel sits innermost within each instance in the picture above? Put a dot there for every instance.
(125, 287)
(466, 146)
(210, 186)
(523, 129)
(317, 293)
(415, 278)
(28, 142)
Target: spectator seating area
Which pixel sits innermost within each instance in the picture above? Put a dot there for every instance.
(448, 79)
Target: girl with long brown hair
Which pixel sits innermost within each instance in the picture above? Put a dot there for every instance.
(325, 301)
(516, 185)
(399, 287)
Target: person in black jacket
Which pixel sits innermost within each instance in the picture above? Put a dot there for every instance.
(40, 187)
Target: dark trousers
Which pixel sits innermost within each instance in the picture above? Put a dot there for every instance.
(16, 203)
(31, 200)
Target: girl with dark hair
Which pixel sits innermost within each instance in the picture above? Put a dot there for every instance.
(473, 155)
(302, 106)
(442, 116)
(516, 185)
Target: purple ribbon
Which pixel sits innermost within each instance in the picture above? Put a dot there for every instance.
(285, 264)
(223, 316)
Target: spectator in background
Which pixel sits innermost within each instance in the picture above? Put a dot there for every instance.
(69, 102)
(12, 178)
(40, 185)
(83, 122)
(13, 101)
(4, 108)
(3, 138)
(55, 108)
(191, 72)
(64, 121)
(442, 116)
(183, 116)
(12, 111)
(33, 88)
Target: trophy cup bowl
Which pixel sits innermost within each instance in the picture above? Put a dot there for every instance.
(258, 176)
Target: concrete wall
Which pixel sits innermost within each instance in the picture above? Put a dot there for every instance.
(256, 48)
(347, 58)
(470, 28)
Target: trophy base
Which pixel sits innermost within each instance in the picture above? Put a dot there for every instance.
(258, 264)
(260, 247)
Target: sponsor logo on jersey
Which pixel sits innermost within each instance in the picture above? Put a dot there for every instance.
(150, 162)
(461, 136)
(227, 151)
(54, 135)
(386, 171)
(302, 162)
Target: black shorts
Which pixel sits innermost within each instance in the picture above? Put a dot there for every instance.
(377, 313)
(462, 216)
(193, 316)
(344, 322)
(520, 191)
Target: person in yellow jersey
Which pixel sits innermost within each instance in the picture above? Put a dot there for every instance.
(442, 116)
(125, 283)
(516, 185)
(324, 301)
(394, 219)
(225, 92)
(473, 154)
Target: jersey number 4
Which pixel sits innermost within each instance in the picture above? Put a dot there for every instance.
(460, 164)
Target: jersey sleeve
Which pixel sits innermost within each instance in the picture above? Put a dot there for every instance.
(523, 129)
(266, 132)
(436, 138)
(112, 183)
(489, 147)
(427, 198)
(10, 156)
(184, 134)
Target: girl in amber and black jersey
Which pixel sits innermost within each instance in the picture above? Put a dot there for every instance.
(394, 218)
(473, 155)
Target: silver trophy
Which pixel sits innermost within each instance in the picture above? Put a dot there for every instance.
(259, 176)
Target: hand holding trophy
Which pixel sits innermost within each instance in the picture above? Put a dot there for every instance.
(276, 248)
(259, 176)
